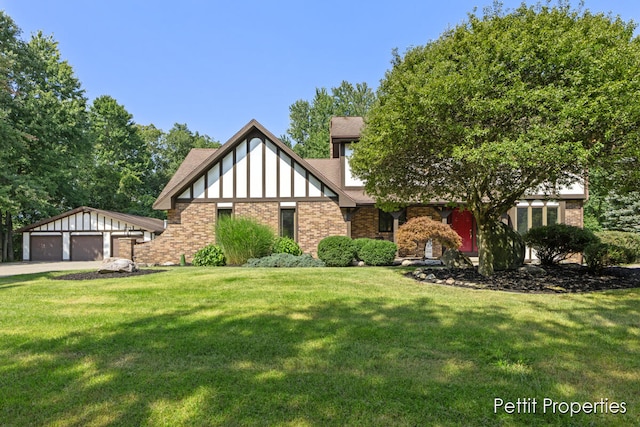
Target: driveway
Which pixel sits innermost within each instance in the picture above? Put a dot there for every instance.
(29, 267)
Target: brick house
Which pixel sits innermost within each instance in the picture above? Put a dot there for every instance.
(254, 174)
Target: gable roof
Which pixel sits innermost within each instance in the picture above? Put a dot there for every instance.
(199, 161)
(146, 223)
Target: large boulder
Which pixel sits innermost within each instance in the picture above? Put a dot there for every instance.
(117, 265)
(453, 258)
(508, 247)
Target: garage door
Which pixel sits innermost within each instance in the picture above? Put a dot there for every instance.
(86, 248)
(46, 248)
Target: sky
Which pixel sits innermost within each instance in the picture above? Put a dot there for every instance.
(216, 65)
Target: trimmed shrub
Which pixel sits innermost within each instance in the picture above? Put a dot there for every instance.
(416, 232)
(285, 260)
(377, 252)
(243, 238)
(336, 251)
(555, 243)
(630, 242)
(358, 244)
(599, 255)
(209, 256)
(286, 245)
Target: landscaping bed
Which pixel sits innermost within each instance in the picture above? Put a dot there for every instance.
(562, 278)
(91, 275)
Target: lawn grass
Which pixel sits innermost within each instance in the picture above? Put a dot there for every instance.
(308, 347)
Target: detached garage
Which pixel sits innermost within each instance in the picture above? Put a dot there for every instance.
(85, 234)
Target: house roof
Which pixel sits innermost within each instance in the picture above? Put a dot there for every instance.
(346, 127)
(149, 224)
(331, 169)
(200, 160)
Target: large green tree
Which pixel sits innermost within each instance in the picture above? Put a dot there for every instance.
(43, 122)
(308, 132)
(122, 160)
(501, 105)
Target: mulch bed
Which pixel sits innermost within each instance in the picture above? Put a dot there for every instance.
(566, 278)
(92, 275)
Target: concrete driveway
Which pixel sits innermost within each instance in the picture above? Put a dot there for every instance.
(29, 267)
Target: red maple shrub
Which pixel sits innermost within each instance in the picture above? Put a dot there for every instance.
(418, 231)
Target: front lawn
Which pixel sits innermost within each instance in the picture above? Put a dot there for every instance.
(310, 347)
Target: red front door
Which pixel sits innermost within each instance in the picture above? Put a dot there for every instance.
(464, 224)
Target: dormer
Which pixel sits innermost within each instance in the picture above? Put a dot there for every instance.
(345, 131)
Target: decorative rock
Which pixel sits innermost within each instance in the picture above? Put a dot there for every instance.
(430, 277)
(117, 265)
(450, 281)
(453, 258)
(533, 270)
(418, 262)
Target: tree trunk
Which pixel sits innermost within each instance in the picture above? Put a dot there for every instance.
(485, 251)
(2, 258)
(9, 236)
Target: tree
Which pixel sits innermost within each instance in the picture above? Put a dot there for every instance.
(122, 160)
(308, 132)
(501, 105)
(176, 144)
(43, 124)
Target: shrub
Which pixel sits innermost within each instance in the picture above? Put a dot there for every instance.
(416, 232)
(285, 260)
(601, 254)
(630, 242)
(286, 245)
(377, 252)
(554, 243)
(209, 256)
(243, 238)
(336, 251)
(358, 244)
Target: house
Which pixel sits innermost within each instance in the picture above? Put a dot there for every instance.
(86, 234)
(254, 174)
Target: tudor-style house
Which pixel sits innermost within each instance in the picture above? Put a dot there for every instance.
(254, 174)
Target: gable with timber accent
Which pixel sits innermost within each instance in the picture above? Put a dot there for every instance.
(256, 168)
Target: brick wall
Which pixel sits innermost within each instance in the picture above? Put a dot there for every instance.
(267, 213)
(573, 213)
(190, 228)
(317, 220)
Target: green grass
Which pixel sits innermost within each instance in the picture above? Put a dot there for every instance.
(306, 347)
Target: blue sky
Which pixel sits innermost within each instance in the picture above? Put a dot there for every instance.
(216, 65)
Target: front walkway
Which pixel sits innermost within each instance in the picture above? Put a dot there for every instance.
(29, 267)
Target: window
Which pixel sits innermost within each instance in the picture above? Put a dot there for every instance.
(288, 223)
(535, 214)
(385, 220)
(224, 212)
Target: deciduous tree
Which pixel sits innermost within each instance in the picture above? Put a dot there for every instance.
(501, 105)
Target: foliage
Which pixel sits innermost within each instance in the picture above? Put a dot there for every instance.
(308, 131)
(336, 251)
(501, 105)
(598, 255)
(209, 256)
(630, 242)
(419, 230)
(286, 245)
(243, 238)
(284, 259)
(555, 243)
(623, 212)
(376, 252)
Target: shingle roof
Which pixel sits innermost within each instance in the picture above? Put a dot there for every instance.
(146, 223)
(195, 158)
(346, 127)
(198, 161)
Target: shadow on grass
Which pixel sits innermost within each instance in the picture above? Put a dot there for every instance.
(333, 363)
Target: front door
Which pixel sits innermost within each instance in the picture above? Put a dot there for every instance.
(464, 224)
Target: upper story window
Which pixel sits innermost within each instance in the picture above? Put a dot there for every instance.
(349, 179)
